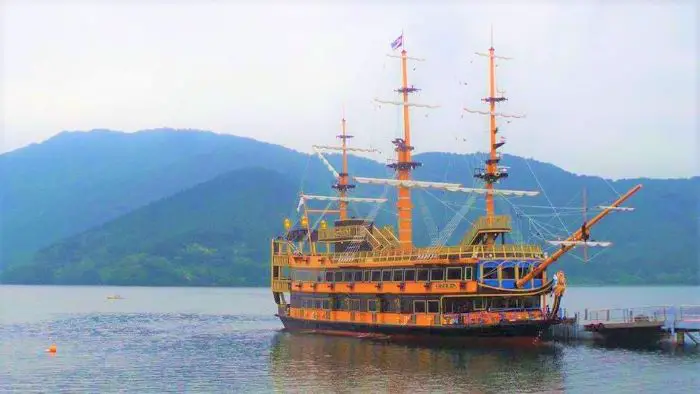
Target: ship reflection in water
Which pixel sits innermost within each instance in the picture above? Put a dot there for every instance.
(320, 363)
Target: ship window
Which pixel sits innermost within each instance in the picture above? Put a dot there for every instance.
(376, 276)
(338, 277)
(329, 276)
(468, 273)
(454, 273)
(386, 275)
(326, 304)
(319, 276)
(437, 274)
(419, 306)
(410, 275)
(531, 302)
(433, 306)
(354, 305)
(391, 305)
(524, 270)
(398, 275)
(498, 303)
(366, 275)
(479, 304)
(508, 273)
(358, 276)
(347, 276)
(423, 274)
(317, 304)
(490, 273)
(372, 305)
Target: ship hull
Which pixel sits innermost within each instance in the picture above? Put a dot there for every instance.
(531, 329)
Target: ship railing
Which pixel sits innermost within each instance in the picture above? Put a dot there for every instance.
(688, 313)
(469, 251)
(627, 315)
(280, 285)
(486, 223)
(446, 252)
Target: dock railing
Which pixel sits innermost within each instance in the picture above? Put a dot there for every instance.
(628, 315)
(688, 313)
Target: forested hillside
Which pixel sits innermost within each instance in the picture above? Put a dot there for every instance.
(212, 234)
(167, 207)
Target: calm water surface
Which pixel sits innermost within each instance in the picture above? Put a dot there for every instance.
(228, 340)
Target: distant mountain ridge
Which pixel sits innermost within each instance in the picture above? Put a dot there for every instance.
(210, 234)
(58, 195)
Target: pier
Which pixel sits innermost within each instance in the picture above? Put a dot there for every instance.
(640, 325)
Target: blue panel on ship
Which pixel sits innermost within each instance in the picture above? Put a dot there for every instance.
(488, 273)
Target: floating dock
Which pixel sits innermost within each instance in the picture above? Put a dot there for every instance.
(642, 325)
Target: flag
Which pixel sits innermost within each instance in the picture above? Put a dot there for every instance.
(397, 42)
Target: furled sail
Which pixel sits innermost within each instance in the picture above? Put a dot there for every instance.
(407, 183)
(328, 165)
(346, 199)
(450, 187)
(625, 209)
(602, 244)
(340, 148)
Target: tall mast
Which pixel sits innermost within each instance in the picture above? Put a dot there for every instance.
(342, 184)
(491, 174)
(585, 246)
(404, 164)
(492, 162)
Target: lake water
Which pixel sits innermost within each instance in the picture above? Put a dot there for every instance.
(228, 340)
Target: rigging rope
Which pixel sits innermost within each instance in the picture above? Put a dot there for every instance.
(427, 218)
(544, 192)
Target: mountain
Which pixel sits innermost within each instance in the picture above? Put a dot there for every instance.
(211, 234)
(78, 180)
(58, 196)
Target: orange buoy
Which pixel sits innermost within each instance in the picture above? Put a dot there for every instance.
(52, 348)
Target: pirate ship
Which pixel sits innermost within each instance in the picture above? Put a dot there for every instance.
(354, 276)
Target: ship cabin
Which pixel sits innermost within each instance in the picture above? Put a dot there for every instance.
(356, 271)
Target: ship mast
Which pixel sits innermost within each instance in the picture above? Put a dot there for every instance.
(491, 174)
(342, 185)
(404, 164)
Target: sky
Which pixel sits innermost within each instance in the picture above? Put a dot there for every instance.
(607, 89)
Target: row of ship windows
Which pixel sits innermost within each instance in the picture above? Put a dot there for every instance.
(407, 275)
(420, 305)
(387, 275)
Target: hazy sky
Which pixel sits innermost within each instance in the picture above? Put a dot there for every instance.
(608, 90)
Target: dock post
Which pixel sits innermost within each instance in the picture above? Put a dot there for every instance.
(680, 338)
